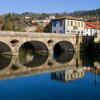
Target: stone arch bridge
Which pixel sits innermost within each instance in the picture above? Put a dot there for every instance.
(39, 42)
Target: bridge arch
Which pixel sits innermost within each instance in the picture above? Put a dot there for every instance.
(33, 53)
(33, 47)
(4, 48)
(5, 61)
(63, 46)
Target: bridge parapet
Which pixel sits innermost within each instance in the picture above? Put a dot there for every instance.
(34, 34)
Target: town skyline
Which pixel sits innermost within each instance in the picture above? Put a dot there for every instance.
(47, 6)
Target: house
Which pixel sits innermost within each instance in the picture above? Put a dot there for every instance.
(92, 28)
(97, 24)
(68, 25)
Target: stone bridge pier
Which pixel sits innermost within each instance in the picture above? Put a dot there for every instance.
(14, 42)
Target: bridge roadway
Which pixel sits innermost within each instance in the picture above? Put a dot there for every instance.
(14, 42)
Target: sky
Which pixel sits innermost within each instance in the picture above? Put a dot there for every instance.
(46, 6)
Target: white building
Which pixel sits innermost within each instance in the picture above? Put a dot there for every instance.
(68, 25)
(90, 29)
(52, 17)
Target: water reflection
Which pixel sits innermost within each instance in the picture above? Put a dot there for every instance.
(14, 67)
(5, 61)
(63, 57)
(36, 63)
(31, 59)
(77, 79)
(90, 58)
(65, 66)
(91, 62)
(68, 74)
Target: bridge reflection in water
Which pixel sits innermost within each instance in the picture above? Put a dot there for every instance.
(63, 66)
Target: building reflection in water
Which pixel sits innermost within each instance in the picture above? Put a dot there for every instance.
(68, 74)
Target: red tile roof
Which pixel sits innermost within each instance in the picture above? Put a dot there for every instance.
(89, 25)
(92, 25)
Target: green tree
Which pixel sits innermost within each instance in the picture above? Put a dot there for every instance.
(47, 28)
(1, 22)
(8, 26)
(14, 22)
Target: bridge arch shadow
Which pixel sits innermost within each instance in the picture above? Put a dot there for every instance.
(64, 57)
(34, 46)
(4, 48)
(5, 61)
(33, 53)
(63, 51)
(63, 46)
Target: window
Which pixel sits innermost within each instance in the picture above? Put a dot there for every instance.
(81, 31)
(79, 24)
(78, 32)
(75, 23)
(54, 23)
(68, 23)
(71, 23)
(90, 31)
(60, 23)
(54, 31)
(60, 31)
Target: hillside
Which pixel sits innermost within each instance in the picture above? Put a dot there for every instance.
(17, 22)
(87, 13)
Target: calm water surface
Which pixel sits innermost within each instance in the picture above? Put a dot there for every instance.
(67, 76)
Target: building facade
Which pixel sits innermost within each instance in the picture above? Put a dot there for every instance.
(90, 29)
(68, 26)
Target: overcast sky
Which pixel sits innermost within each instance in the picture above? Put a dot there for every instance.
(47, 6)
